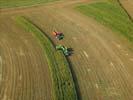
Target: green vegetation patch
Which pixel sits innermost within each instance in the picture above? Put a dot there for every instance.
(110, 14)
(18, 3)
(63, 84)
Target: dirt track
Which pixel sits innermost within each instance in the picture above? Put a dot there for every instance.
(101, 63)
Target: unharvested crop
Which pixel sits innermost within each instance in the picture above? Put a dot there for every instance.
(63, 85)
(110, 14)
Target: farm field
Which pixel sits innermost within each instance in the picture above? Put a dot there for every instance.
(20, 3)
(128, 5)
(102, 59)
(62, 80)
(24, 70)
(110, 14)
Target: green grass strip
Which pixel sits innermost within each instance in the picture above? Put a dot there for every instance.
(21, 3)
(62, 81)
(110, 14)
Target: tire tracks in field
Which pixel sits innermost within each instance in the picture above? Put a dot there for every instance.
(25, 71)
(109, 73)
(129, 11)
(127, 5)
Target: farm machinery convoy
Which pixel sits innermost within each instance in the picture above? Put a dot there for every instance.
(64, 49)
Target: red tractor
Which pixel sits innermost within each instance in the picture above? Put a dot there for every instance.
(58, 35)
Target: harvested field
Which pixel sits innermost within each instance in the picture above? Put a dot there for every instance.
(22, 3)
(25, 74)
(101, 64)
(62, 81)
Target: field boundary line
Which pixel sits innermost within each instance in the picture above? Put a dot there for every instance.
(130, 17)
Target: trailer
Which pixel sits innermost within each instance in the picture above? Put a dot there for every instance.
(58, 35)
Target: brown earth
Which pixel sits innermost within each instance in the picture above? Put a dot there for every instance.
(24, 73)
(102, 62)
(128, 5)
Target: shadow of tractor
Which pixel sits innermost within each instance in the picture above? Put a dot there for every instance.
(71, 51)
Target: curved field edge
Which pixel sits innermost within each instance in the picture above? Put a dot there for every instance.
(22, 3)
(111, 14)
(62, 81)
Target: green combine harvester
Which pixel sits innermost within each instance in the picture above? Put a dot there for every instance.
(63, 49)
